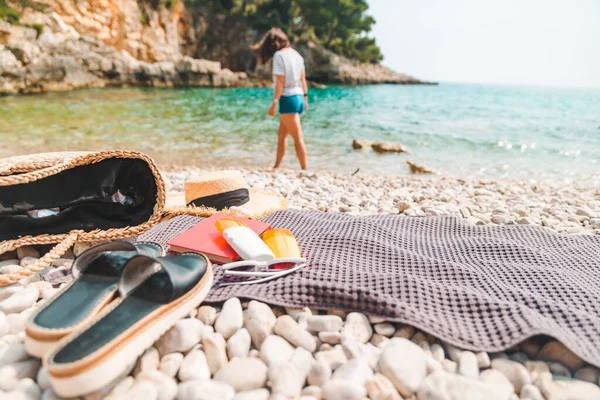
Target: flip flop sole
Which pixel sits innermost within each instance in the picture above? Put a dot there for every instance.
(81, 300)
(98, 372)
(38, 341)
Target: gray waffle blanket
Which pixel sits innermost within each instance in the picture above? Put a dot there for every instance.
(483, 288)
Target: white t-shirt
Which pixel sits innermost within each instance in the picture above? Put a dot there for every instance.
(289, 63)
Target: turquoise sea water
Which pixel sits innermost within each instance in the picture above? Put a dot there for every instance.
(459, 129)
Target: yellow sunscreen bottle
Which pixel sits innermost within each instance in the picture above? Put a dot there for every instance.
(282, 243)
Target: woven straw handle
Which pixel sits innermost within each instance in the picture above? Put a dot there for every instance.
(54, 254)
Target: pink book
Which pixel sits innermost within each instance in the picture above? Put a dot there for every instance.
(205, 238)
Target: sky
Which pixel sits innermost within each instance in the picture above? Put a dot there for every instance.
(530, 42)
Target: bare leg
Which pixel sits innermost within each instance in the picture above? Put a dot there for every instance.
(281, 144)
(294, 128)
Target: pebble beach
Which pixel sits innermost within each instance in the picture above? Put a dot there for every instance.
(251, 351)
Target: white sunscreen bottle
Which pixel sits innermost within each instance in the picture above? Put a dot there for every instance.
(244, 240)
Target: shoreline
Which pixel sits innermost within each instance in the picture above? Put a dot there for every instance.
(250, 83)
(569, 206)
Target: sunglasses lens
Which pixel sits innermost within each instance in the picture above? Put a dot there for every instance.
(281, 266)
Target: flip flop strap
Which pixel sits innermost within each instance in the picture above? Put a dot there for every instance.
(84, 259)
(169, 277)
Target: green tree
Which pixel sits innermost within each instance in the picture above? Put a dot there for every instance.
(341, 26)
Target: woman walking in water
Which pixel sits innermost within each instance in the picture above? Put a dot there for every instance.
(290, 91)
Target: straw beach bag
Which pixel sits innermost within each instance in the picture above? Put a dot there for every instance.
(64, 198)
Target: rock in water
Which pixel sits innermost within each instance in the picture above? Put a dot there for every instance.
(385, 147)
(403, 363)
(418, 169)
(359, 144)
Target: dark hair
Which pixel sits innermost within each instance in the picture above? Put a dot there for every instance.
(274, 40)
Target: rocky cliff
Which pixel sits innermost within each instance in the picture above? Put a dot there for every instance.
(95, 43)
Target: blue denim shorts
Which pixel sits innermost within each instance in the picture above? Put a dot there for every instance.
(291, 104)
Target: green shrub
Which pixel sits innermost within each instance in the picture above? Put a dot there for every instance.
(144, 18)
(8, 14)
(38, 27)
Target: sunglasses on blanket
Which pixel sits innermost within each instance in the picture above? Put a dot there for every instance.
(285, 248)
(250, 272)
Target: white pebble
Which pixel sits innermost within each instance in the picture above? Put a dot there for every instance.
(215, 350)
(330, 337)
(467, 365)
(207, 314)
(320, 372)
(238, 345)
(324, 323)
(194, 366)
(230, 319)
(166, 386)
(385, 329)
(381, 388)
(243, 374)
(286, 327)
(403, 363)
(205, 390)
(170, 363)
(357, 328)
(19, 301)
(274, 349)
(343, 390)
(149, 361)
(259, 321)
(516, 373)
(184, 335)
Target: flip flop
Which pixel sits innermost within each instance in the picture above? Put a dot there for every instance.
(154, 294)
(96, 272)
